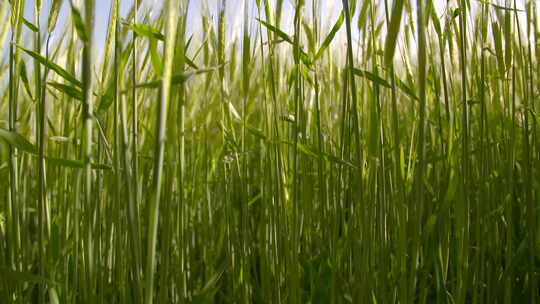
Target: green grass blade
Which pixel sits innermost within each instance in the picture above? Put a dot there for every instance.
(393, 31)
(326, 42)
(51, 65)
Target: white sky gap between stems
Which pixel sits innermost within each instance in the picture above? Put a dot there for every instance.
(330, 10)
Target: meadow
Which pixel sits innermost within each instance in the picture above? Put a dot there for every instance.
(387, 153)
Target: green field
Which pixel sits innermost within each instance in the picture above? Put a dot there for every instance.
(387, 153)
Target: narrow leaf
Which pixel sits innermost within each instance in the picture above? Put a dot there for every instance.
(18, 141)
(148, 31)
(155, 58)
(370, 76)
(330, 36)
(53, 14)
(71, 91)
(393, 31)
(277, 31)
(24, 78)
(30, 25)
(303, 55)
(53, 66)
(78, 23)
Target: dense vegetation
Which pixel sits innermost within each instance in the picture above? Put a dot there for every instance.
(389, 156)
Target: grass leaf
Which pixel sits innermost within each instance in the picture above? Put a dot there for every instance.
(53, 66)
(393, 31)
(53, 14)
(30, 25)
(71, 91)
(17, 141)
(78, 22)
(148, 31)
(330, 36)
(370, 76)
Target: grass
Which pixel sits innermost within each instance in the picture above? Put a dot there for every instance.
(386, 154)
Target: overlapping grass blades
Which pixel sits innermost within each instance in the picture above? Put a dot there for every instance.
(377, 152)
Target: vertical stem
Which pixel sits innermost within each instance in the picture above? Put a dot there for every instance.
(134, 114)
(353, 92)
(87, 64)
(419, 174)
(462, 215)
(298, 96)
(42, 199)
(15, 240)
(159, 153)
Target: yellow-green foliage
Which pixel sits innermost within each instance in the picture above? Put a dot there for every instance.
(380, 152)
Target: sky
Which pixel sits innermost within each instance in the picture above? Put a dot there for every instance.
(234, 13)
(329, 11)
(330, 8)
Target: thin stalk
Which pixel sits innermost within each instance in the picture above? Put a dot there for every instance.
(42, 200)
(159, 153)
(298, 99)
(13, 154)
(354, 98)
(420, 170)
(462, 216)
(87, 80)
(134, 113)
